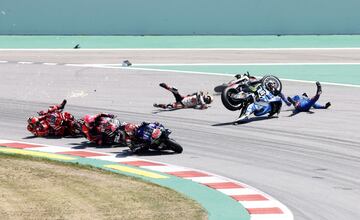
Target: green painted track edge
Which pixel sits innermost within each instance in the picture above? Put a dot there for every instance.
(113, 42)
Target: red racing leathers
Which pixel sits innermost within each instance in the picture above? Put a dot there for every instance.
(53, 122)
(101, 128)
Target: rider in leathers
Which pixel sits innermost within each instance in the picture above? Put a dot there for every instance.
(198, 100)
(104, 128)
(304, 103)
(53, 122)
(98, 128)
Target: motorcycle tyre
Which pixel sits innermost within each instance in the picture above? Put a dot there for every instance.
(226, 102)
(274, 78)
(174, 146)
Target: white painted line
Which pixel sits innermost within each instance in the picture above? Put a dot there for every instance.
(178, 49)
(113, 158)
(139, 65)
(239, 64)
(238, 191)
(3, 61)
(25, 62)
(50, 149)
(6, 141)
(207, 179)
(168, 168)
(270, 217)
(220, 74)
(50, 64)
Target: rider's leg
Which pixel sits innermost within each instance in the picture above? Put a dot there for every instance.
(174, 91)
(319, 106)
(306, 106)
(262, 111)
(175, 105)
(249, 110)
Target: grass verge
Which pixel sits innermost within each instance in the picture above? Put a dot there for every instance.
(36, 188)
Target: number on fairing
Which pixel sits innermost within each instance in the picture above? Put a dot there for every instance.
(261, 92)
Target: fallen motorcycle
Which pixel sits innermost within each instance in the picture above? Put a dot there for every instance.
(239, 78)
(233, 95)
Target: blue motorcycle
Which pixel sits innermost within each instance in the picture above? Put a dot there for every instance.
(155, 136)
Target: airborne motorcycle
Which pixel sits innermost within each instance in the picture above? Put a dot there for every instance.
(154, 136)
(233, 96)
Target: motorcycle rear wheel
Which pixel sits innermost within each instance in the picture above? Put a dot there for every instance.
(230, 103)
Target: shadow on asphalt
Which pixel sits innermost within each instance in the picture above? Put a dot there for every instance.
(52, 137)
(149, 153)
(244, 121)
(86, 144)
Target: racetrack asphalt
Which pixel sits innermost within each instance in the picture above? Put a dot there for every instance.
(309, 162)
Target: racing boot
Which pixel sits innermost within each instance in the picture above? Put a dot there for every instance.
(305, 95)
(291, 100)
(319, 91)
(327, 105)
(165, 86)
(244, 117)
(62, 105)
(159, 105)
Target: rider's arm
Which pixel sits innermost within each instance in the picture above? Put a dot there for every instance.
(282, 96)
(100, 115)
(59, 107)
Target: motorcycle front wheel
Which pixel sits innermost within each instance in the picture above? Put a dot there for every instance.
(273, 79)
(174, 146)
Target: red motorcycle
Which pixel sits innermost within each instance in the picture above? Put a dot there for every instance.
(54, 122)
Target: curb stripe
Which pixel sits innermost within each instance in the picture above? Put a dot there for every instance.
(273, 210)
(81, 153)
(259, 205)
(139, 163)
(136, 171)
(254, 197)
(187, 174)
(35, 154)
(224, 185)
(20, 145)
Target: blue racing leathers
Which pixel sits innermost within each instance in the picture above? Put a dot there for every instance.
(303, 103)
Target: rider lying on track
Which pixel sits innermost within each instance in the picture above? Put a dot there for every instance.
(198, 100)
(304, 103)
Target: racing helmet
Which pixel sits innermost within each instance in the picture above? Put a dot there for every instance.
(270, 86)
(33, 120)
(156, 133)
(130, 129)
(89, 121)
(208, 99)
